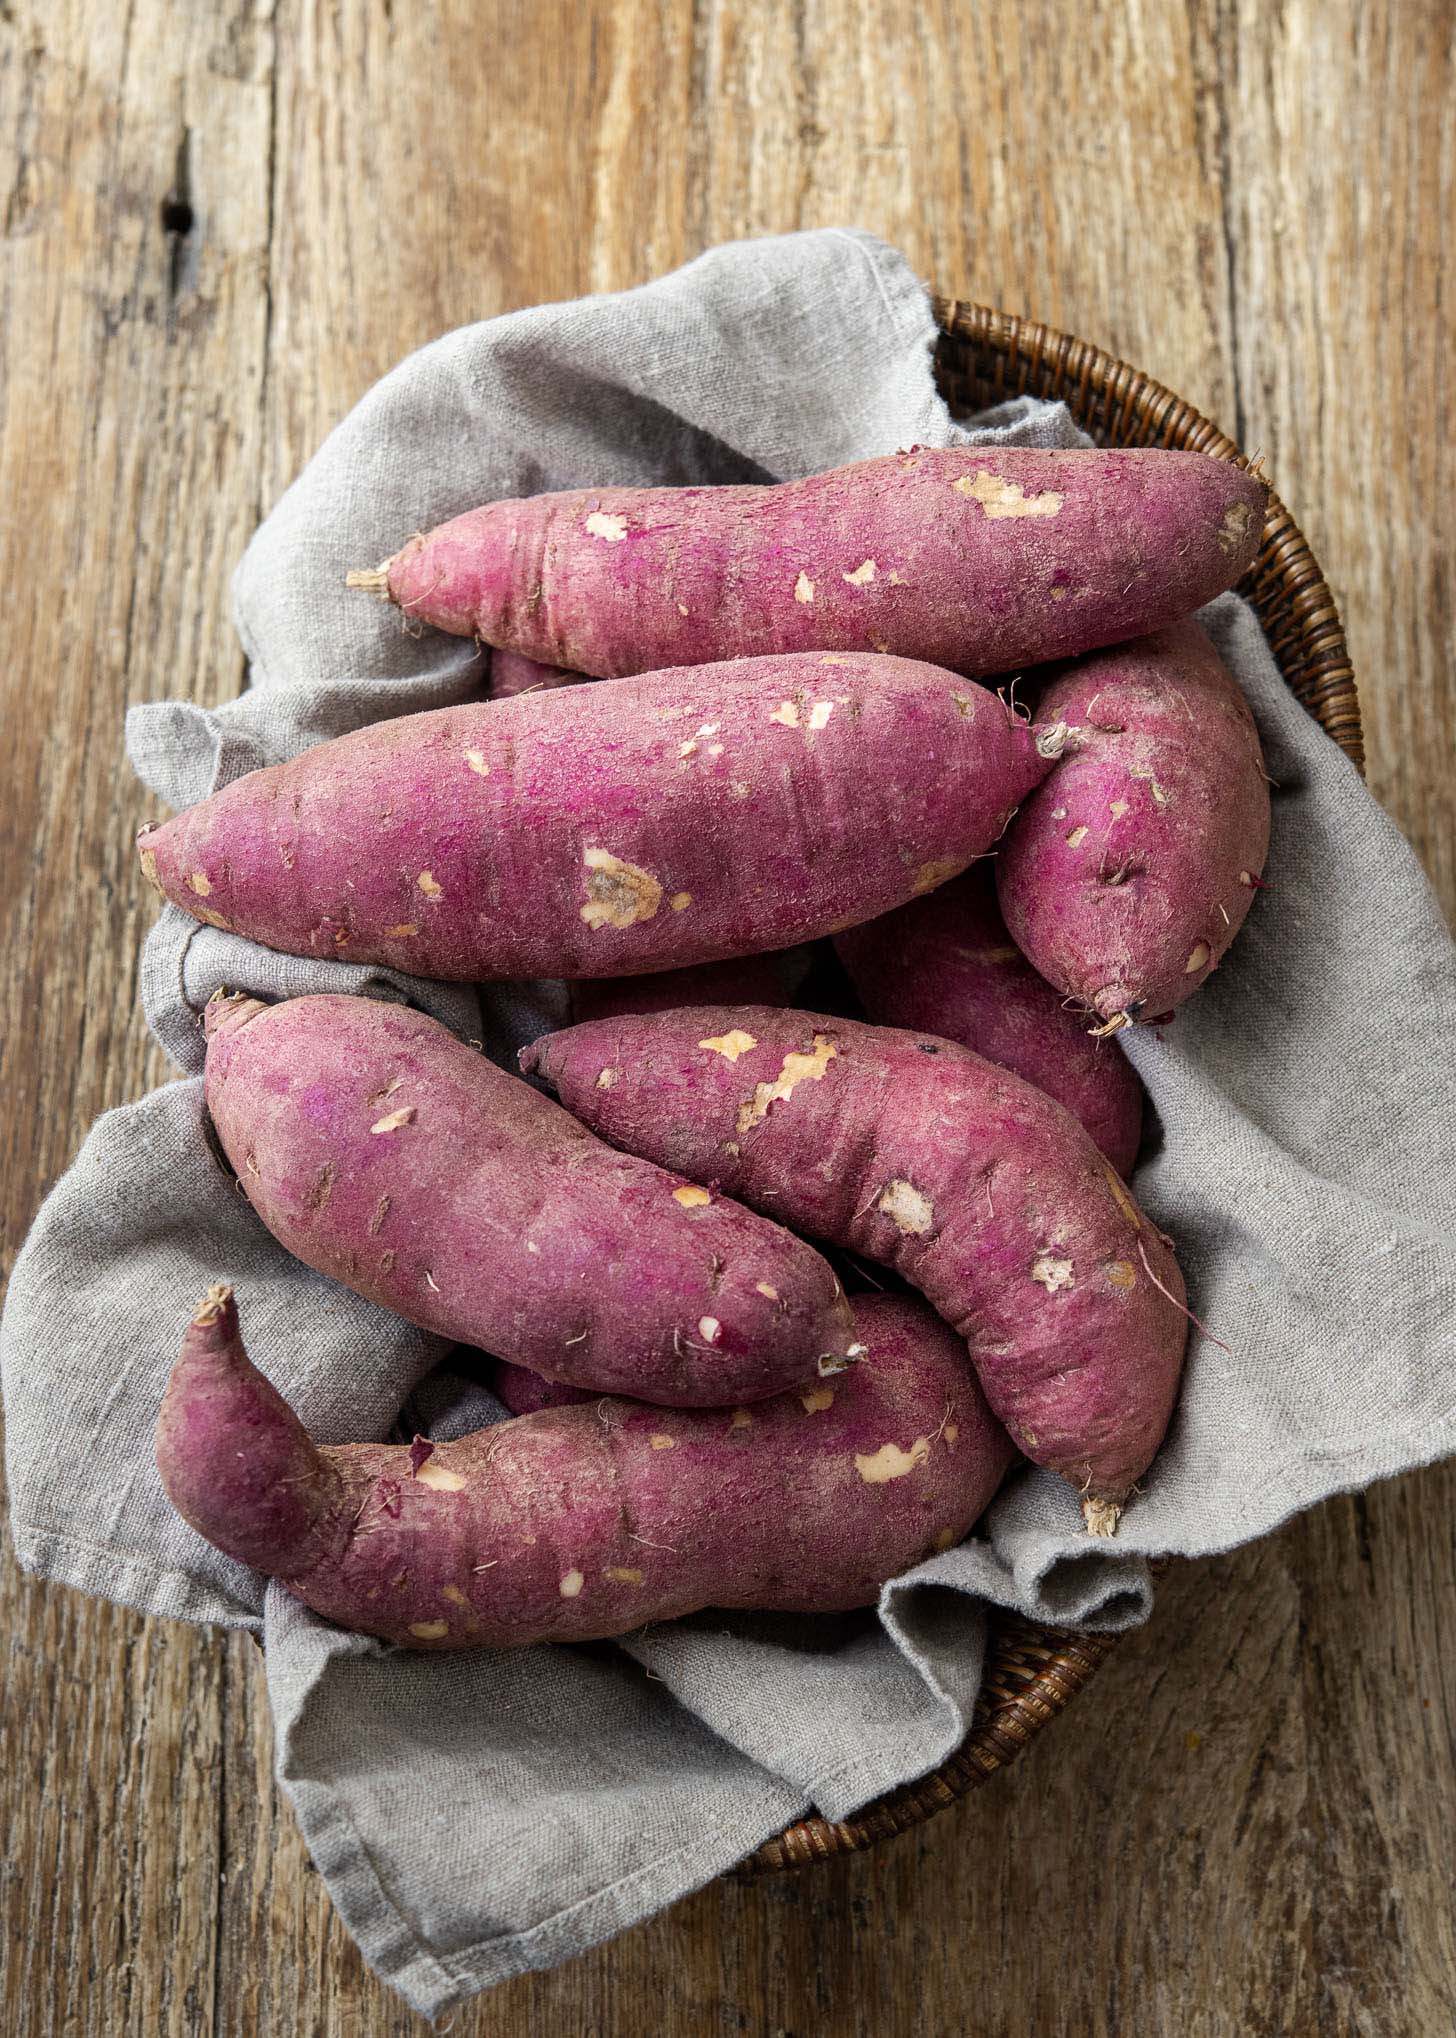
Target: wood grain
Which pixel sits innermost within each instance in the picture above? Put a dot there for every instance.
(218, 224)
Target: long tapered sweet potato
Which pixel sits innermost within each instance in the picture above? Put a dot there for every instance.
(946, 965)
(1126, 880)
(382, 1151)
(981, 1191)
(577, 1523)
(977, 558)
(612, 830)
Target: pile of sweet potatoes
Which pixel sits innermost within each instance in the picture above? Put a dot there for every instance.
(791, 747)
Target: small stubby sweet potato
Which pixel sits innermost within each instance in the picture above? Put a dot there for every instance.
(381, 1150)
(742, 980)
(946, 965)
(523, 1392)
(612, 830)
(1126, 879)
(981, 559)
(511, 674)
(573, 1524)
(979, 1190)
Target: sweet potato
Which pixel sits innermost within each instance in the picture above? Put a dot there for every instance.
(525, 1393)
(612, 830)
(980, 559)
(946, 965)
(578, 1523)
(983, 1193)
(382, 1151)
(1126, 879)
(743, 980)
(511, 674)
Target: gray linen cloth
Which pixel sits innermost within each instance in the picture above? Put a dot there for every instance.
(481, 1814)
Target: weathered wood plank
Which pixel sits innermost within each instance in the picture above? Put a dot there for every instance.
(130, 362)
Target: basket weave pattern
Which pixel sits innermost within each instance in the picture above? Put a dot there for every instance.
(983, 358)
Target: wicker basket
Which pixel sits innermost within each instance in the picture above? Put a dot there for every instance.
(984, 357)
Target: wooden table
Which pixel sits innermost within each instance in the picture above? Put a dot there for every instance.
(222, 220)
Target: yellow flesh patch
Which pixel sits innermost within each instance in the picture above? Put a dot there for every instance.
(439, 1478)
(730, 1045)
(797, 1068)
(878, 1468)
(1000, 498)
(906, 1207)
(930, 875)
(618, 894)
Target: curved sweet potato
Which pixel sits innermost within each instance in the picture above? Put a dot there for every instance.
(577, 1523)
(978, 558)
(382, 1151)
(1127, 876)
(946, 964)
(981, 1191)
(612, 830)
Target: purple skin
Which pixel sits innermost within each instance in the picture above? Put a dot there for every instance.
(612, 830)
(946, 965)
(523, 1392)
(978, 1190)
(980, 559)
(744, 980)
(1128, 874)
(380, 1150)
(511, 674)
(574, 1524)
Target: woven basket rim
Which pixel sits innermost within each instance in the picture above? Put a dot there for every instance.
(983, 357)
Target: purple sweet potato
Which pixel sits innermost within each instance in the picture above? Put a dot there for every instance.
(523, 1392)
(577, 1523)
(381, 1150)
(946, 965)
(982, 1192)
(1125, 879)
(980, 559)
(511, 674)
(743, 980)
(612, 830)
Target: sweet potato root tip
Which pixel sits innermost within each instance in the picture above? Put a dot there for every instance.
(371, 579)
(1101, 1516)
